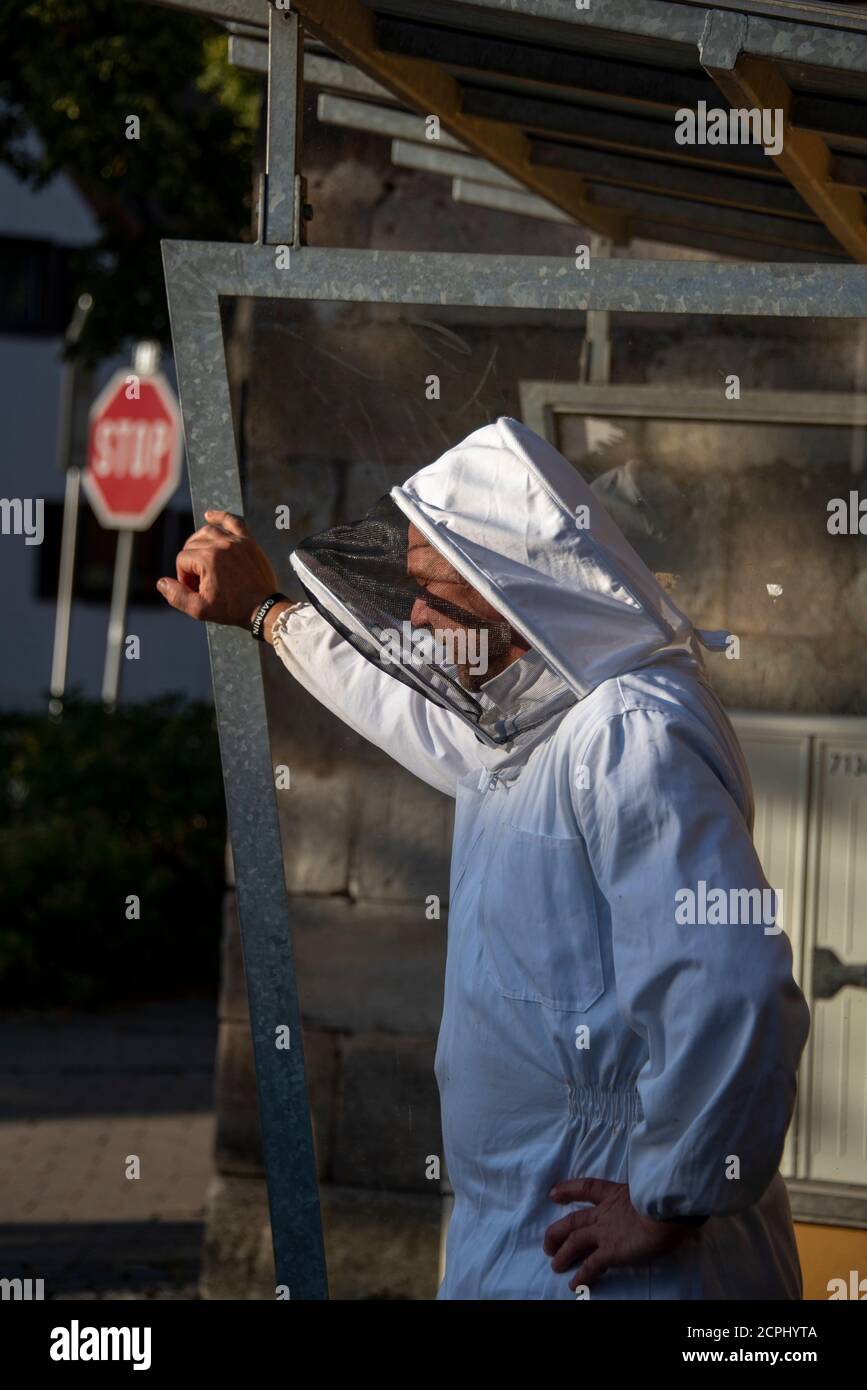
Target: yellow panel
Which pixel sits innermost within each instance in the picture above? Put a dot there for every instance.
(830, 1252)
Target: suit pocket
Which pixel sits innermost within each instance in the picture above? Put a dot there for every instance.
(538, 918)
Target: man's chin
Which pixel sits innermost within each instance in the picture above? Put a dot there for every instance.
(472, 679)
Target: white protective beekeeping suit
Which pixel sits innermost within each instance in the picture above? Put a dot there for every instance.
(587, 1031)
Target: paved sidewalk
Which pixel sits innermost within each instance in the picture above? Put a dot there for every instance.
(82, 1096)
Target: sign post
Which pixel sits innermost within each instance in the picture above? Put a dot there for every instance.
(72, 380)
(133, 467)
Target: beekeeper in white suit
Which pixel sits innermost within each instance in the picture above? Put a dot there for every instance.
(617, 1060)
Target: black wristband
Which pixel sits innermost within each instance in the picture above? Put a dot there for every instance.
(257, 626)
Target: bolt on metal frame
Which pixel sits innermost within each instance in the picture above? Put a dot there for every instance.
(198, 275)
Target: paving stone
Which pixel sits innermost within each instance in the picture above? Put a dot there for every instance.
(238, 1257)
(316, 821)
(381, 1245)
(74, 1168)
(81, 1092)
(403, 838)
(171, 1038)
(388, 1114)
(105, 1260)
(238, 1139)
(359, 966)
(377, 1245)
(366, 966)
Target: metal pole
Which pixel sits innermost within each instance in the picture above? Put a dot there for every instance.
(283, 194)
(251, 804)
(117, 618)
(145, 361)
(63, 612)
(239, 697)
(597, 339)
(68, 397)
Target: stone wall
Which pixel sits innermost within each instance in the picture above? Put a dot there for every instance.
(729, 509)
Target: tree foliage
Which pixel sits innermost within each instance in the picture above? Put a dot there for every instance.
(75, 72)
(94, 808)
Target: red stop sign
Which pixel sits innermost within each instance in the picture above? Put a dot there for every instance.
(133, 451)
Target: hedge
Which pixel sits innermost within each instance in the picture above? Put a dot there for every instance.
(96, 808)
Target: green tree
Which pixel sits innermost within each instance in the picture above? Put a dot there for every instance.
(96, 807)
(76, 71)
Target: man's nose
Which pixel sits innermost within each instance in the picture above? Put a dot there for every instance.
(422, 614)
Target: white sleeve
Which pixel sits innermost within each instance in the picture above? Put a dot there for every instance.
(427, 740)
(722, 1017)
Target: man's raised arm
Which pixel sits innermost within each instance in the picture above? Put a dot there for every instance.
(224, 576)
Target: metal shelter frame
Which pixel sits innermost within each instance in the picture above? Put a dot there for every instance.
(280, 266)
(572, 110)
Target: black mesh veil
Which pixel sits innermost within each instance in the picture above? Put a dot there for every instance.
(356, 577)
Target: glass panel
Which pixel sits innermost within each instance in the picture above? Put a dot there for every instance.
(731, 515)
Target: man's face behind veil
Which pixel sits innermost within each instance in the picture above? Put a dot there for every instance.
(454, 612)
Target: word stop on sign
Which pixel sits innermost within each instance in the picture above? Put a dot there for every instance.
(131, 448)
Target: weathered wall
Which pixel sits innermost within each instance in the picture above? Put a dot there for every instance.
(334, 411)
(731, 508)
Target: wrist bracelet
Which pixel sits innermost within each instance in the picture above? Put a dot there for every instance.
(257, 626)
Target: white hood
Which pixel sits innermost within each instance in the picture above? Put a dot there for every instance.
(502, 507)
(521, 525)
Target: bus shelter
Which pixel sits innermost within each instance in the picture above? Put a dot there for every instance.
(739, 130)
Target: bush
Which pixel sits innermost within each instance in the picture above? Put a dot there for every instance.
(96, 807)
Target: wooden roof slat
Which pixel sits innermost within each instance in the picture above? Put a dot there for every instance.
(676, 180)
(559, 67)
(778, 231)
(804, 157)
(626, 131)
(350, 30)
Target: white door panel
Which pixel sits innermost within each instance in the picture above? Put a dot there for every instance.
(837, 1129)
(779, 764)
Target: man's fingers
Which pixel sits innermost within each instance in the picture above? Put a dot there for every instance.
(557, 1233)
(189, 569)
(592, 1269)
(211, 538)
(574, 1248)
(209, 534)
(181, 597)
(227, 520)
(583, 1190)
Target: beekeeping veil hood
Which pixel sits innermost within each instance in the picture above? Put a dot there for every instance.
(521, 525)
